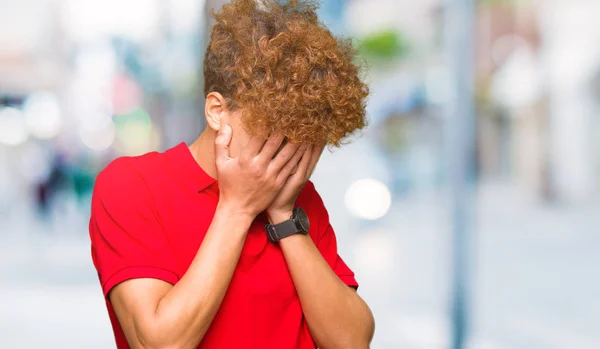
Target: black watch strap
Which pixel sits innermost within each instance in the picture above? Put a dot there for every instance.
(297, 224)
(282, 230)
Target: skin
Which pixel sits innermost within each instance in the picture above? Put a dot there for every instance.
(253, 177)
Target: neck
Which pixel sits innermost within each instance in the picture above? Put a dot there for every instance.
(203, 151)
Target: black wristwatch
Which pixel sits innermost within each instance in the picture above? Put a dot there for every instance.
(297, 224)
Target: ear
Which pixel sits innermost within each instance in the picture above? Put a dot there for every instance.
(215, 110)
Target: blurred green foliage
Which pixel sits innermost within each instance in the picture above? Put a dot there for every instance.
(387, 44)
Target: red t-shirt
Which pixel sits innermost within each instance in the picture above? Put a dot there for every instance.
(149, 216)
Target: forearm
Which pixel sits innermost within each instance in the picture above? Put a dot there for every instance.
(186, 311)
(337, 317)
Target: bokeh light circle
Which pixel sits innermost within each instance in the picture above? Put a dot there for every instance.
(98, 139)
(368, 199)
(43, 115)
(13, 130)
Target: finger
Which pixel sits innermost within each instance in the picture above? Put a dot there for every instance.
(271, 146)
(315, 156)
(253, 147)
(293, 164)
(222, 143)
(284, 156)
(305, 161)
(297, 165)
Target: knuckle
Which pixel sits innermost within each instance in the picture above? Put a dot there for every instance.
(271, 180)
(270, 174)
(257, 170)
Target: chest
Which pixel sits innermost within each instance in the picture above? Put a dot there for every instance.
(261, 272)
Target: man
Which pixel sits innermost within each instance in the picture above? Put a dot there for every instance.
(225, 243)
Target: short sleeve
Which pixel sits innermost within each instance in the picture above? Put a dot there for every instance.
(328, 247)
(326, 240)
(127, 240)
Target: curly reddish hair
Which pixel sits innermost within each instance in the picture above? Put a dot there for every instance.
(285, 71)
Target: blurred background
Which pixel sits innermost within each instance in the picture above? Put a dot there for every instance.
(85, 81)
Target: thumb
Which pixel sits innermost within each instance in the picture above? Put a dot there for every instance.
(222, 142)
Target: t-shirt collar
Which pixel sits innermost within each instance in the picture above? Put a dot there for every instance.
(186, 167)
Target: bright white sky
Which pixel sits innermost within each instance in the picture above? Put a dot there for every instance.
(26, 23)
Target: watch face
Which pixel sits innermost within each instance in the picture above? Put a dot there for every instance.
(302, 220)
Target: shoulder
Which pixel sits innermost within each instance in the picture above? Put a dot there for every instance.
(126, 175)
(127, 165)
(122, 196)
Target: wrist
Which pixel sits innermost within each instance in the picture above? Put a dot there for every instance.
(234, 212)
(278, 216)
